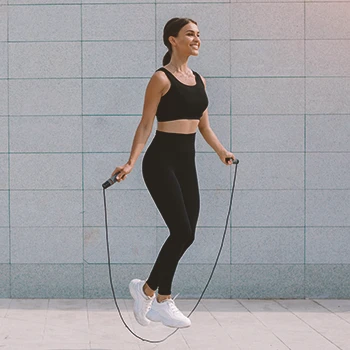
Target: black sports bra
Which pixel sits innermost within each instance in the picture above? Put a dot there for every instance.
(182, 101)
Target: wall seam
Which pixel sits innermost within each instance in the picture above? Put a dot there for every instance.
(82, 145)
(8, 147)
(304, 266)
(231, 176)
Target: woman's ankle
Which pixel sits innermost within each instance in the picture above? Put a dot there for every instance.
(147, 290)
(161, 297)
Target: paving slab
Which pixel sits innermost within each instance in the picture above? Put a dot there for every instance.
(225, 324)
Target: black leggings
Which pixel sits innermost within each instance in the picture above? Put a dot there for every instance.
(169, 172)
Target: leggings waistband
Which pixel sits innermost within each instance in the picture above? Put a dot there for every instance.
(169, 141)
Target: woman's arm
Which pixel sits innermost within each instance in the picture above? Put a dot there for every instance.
(140, 138)
(210, 137)
(153, 94)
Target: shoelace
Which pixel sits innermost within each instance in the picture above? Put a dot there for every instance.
(173, 306)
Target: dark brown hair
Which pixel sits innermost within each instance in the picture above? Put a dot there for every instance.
(172, 28)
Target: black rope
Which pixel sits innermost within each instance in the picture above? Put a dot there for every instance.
(205, 288)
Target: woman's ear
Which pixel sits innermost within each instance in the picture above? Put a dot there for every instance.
(172, 40)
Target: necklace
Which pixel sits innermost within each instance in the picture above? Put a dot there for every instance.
(190, 75)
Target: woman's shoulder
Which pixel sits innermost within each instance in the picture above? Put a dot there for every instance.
(163, 72)
(160, 76)
(159, 81)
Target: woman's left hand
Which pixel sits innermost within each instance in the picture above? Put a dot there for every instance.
(227, 154)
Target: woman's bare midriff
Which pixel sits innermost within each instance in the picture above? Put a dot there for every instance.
(182, 126)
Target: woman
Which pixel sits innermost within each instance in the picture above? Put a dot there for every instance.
(177, 96)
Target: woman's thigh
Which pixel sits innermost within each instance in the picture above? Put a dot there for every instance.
(164, 186)
(186, 174)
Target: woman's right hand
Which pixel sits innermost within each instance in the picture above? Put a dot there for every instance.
(124, 171)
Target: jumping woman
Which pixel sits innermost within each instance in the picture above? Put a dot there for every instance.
(176, 95)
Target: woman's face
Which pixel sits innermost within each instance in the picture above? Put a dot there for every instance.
(187, 41)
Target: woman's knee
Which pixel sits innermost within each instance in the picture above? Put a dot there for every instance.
(189, 241)
(183, 236)
(186, 240)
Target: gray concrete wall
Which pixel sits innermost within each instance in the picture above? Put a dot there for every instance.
(72, 82)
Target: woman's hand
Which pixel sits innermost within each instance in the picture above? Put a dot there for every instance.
(124, 171)
(226, 154)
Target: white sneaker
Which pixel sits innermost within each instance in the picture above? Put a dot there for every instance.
(142, 302)
(167, 313)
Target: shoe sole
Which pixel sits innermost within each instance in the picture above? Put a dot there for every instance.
(171, 326)
(157, 318)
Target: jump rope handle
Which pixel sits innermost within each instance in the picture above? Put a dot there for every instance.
(234, 161)
(111, 181)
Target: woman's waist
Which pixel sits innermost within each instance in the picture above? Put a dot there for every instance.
(180, 126)
(170, 141)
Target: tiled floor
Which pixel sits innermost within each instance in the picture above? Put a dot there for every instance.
(238, 324)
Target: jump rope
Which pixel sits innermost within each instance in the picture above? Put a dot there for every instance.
(110, 182)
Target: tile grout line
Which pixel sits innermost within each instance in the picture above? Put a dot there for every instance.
(253, 314)
(331, 311)
(155, 64)
(231, 231)
(304, 266)
(82, 145)
(209, 264)
(204, 190)
(215, 115)
(199, 152)
(217, 320)
(164, 227)
(58, 3)
(8, 148)
(155, 36)
(208, 77)
(305, 322)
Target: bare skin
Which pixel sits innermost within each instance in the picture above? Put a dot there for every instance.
(179, 126)
(186, 44)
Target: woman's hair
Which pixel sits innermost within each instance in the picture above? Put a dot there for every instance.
(172, 28)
